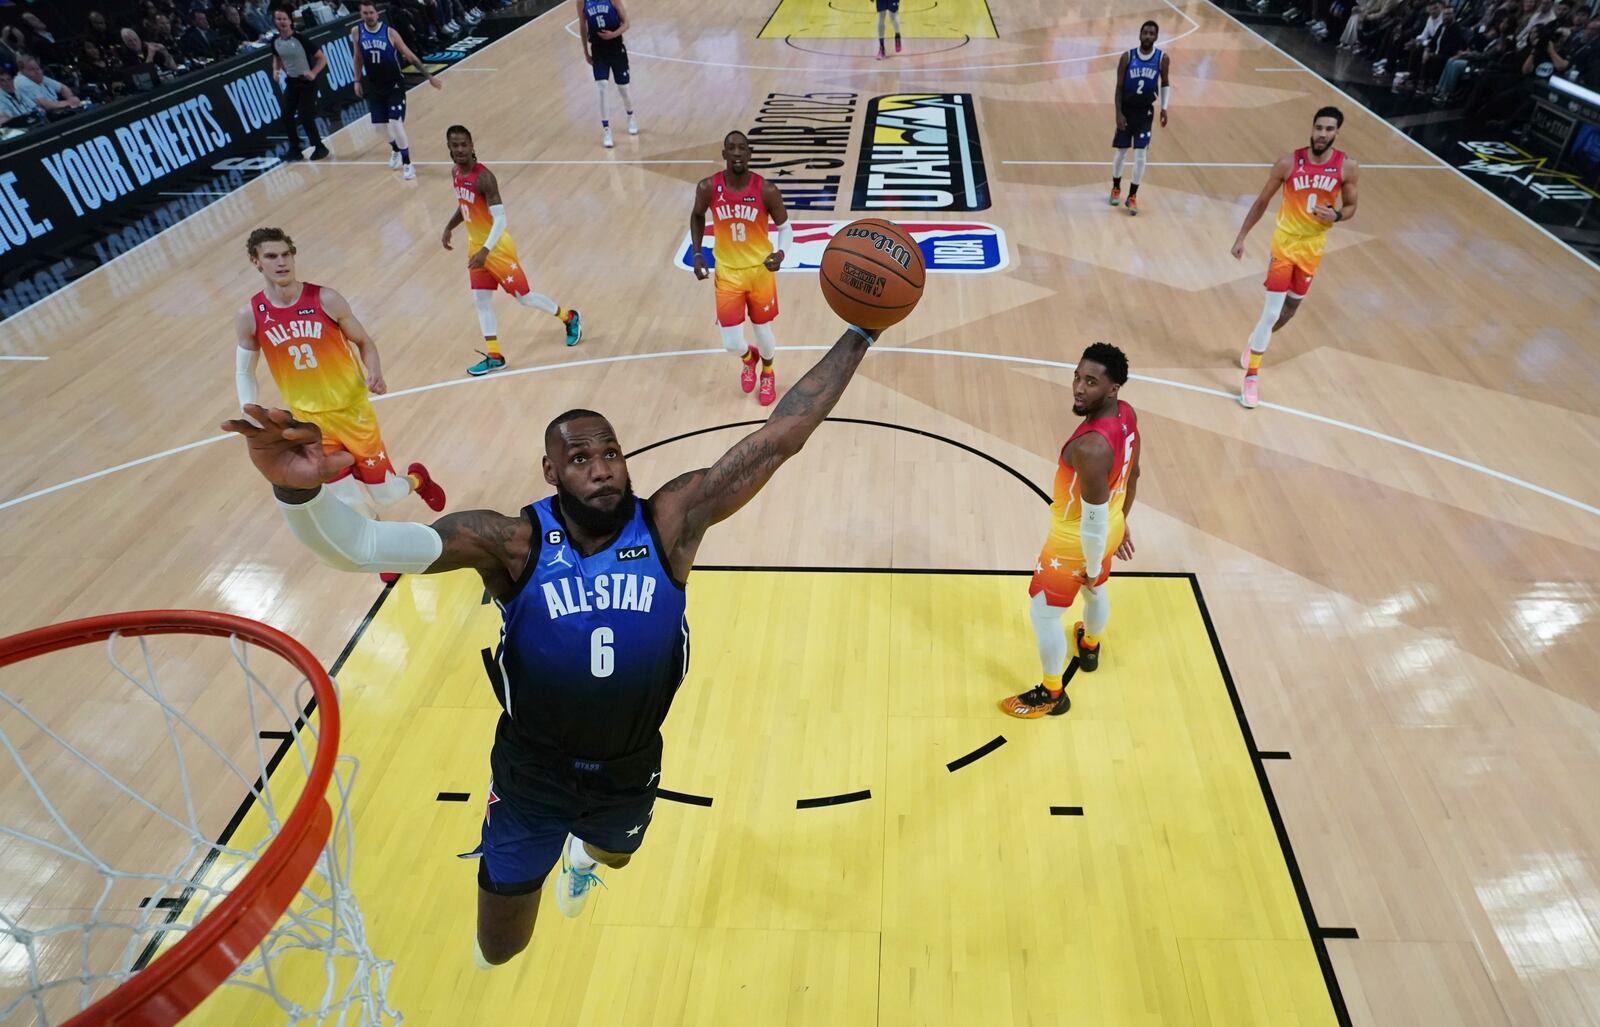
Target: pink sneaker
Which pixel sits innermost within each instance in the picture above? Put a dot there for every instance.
(1248, 394)
(747, 373)
(769, 388)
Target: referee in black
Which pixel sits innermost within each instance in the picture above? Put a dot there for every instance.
(300, 64)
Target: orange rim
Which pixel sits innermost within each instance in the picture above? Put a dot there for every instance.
(180, 978)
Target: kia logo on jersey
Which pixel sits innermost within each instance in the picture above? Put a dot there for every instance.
(634, 553)
(307, 312)
(948, 247)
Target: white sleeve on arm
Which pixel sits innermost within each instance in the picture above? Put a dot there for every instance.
(1096, 526)
(786, 236)
(244, 374)
(347, 541)
(1166, 95)
(497, 227)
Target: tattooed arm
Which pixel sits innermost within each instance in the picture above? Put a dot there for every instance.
(690, 503)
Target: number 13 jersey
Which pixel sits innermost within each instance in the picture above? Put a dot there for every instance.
(593, 648)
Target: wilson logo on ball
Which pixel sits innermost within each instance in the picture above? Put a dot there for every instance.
(890, 247)
(863, 280)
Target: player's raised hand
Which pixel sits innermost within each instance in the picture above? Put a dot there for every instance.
(1125, 550)
(288, 453)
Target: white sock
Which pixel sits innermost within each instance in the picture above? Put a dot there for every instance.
(393, 489)
(627, 104)
(1269, 317)
(1096, 611)
(477, 955)
(1138, 166)
(577, 856)
(1048, 634)
(1118, 157)
(733, 340)
(397, 135)
(880, 27)
(488, 324)
(349, 492)
(894, 17)
(539, 301)
(766, 342)
(604, 119)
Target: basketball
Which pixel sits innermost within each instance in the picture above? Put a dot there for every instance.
(872, 273)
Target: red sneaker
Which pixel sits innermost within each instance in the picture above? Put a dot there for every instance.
(747, 373)
(769, 388)
(429, 490)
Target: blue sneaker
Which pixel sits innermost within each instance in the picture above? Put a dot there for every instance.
(574, 327)
(572, 886)
(487, 364)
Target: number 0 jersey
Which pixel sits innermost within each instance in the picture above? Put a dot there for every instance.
(593, 648)
(1299, 236)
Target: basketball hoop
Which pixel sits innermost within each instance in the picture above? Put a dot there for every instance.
(214, 917)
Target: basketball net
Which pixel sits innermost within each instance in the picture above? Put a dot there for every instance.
(145, 895)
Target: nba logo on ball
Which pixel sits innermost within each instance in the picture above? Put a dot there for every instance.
(872, 273)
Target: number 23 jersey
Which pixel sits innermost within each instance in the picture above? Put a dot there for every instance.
(593, 648)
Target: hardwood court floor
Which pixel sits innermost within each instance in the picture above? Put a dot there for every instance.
(1398, 551)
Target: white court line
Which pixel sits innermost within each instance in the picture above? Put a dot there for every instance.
(8, 357)
(910, 350)
(477, 69)
(524, 163)
(915, 69)
(1386, 123)
(125, 253)
(200, 192)
(1212, 164)
(1297, 71)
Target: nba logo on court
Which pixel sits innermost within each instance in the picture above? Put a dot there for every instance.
(948, 247)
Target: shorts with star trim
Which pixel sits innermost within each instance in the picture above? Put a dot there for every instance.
(502, 270)
(1061, 566)
(746, 290)
(534, 805)
(353, 430)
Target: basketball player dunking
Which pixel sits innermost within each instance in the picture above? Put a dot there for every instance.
(1319, 190)
(590, 583)
(1096, 480)
(1137, 75)
(892, 9)
(378, 49)
(492, 257)
(741, 204)
(324, 363)
(604, 23)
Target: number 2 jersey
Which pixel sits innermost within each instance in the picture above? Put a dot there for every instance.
(315, 367)
(592, 649)
(1300, 237)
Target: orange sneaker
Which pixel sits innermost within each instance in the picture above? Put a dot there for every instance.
(1036, 702)
(769, 388)
(428, 491)
(1132, 205)
(747, 373)
(1116, 195)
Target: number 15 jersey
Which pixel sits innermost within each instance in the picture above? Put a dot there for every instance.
(593, 648)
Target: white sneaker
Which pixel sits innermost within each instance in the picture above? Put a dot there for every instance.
(606, 139)
(633, 125)
(394, 160)
(572, 886)
(410, 173)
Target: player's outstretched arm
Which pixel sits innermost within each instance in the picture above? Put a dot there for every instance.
(405, 51)
(289, 454)
(690, 503)
(338, 308)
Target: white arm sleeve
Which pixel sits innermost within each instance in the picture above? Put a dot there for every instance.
(347, 541)
(1096, 526)
(244, 374)
(1166, 94)
(786, 236)
(497, 227)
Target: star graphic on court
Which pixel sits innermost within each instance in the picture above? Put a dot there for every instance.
(635, 830)
(783, 172)
(1055, 563)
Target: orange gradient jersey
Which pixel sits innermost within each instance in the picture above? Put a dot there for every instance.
(475, 212)
(739, 220)
(317, 369)
(1300, 237)
(1066, 506)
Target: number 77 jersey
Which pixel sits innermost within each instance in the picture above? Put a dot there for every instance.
(1300, 237)
(593, 647)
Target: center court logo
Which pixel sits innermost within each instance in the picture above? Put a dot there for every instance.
(798, 144)
(920, 151)
(958, 247)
